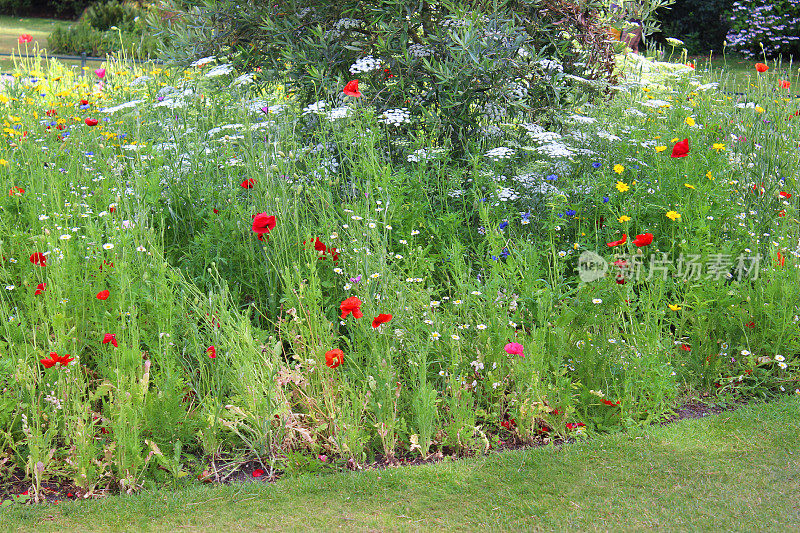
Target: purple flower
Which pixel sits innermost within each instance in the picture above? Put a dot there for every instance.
(596, 165)
(356, 279)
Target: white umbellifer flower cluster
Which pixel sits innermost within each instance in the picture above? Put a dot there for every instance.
(220, 70)
(316, 107)
(506, 194)
(580, 119)
(365, 64)
(551, 65)
(544, 136)
(341, 26)
(501, 152)
(203, 61)
(556, 149)
(424, 154)
(418, 155)
(339, 112)
(420, 50)
(517, 90)
(244, 79)
(494, 112)
(395, 117)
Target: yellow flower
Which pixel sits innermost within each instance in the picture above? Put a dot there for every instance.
(657, 137)
(673, 215)
(619, 169)
(689, 121)
(674, 140)
(622, 186)
(689, 186)
(718, 146)
(709, 176)
(675, 307)
(660, 149)
(759, 109)
(3, 162)
(623, 219)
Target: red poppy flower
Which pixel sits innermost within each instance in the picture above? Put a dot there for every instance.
(351, 89)
(351, 305)
(623, 240)
(686, 348)
(54, 358)
(63, 359)
(84, 102)
(248, 183)
(320, 246)
(103, 295)
(40, 288)
(784, 194)
(781, 259)
(782, 213)
(508, 424)
(784, 84)
(334, 358)
(212, 352)
(258, 472)
(110, 337)
(39, 259)
(264, 223)
(24, 38)
(750, 325)
(643, 240)
(91, 122)
(15, 191)
(334, 254)
(681, 149)
(609, 402)
(381, 319)
(51, 112)
(761, 67)
(215, 210)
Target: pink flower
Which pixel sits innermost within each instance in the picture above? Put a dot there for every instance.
(24, 38)
(101, 73)
(514, 348)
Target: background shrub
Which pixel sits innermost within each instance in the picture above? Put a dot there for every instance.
(93, 33)
(451, 64)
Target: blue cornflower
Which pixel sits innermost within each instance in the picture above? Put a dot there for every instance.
(89, 153)
(606, 199)
(504, 224)
(560, 215)
(494, 258)
(597, 165)
(551, 177)
(83, 106)
(505, 253)
(571, 212)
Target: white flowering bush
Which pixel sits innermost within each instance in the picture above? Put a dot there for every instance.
(768, 29)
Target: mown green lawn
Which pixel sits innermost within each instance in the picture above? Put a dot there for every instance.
(12, 27)
(738, 471)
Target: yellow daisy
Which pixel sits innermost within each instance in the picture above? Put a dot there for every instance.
(622, 186)
(673, 215)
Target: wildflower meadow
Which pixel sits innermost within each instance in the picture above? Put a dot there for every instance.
(204, 276)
